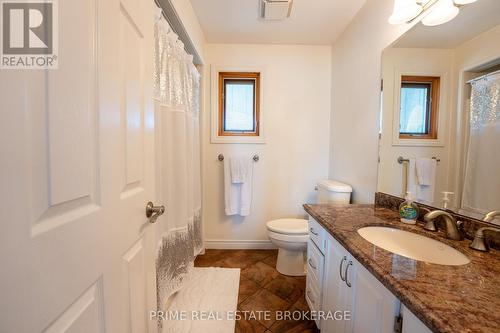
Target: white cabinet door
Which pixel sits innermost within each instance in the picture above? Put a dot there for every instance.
(76, 250)
(348, 286)
(411, 324)
(334, 288)
(373, 307)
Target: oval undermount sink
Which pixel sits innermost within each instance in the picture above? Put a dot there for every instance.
(413, 246)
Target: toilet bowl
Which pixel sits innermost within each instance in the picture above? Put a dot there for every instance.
(290, 236)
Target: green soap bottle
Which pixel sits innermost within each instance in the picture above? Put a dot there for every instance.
(408, 210)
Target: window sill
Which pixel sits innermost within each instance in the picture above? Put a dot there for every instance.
(238, 139)
(418, 142)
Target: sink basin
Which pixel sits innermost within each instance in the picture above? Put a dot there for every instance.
(413, 246)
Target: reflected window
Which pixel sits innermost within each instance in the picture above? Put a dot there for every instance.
(239, 104)
(419, 107)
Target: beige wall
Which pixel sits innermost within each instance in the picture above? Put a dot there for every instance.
(479, 50)
(296, 119)
(356, 73)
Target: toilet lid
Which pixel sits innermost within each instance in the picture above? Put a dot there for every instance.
(288, 226)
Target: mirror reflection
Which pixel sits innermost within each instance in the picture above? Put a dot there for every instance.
(440, 114)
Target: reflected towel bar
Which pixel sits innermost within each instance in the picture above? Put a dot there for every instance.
(255, 157)
(401, 160)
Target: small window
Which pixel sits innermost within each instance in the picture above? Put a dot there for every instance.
(419, 107)
(239, 104)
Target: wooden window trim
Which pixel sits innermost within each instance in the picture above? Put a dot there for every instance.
(243, 76)
(435, 83)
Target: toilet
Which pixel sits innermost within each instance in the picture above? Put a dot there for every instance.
(333, 191)
(290, 235)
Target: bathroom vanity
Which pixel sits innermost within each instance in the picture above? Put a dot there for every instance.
(388, 292)
(338, 282)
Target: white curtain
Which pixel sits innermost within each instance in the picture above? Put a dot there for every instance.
(481, 191)
(177, 93)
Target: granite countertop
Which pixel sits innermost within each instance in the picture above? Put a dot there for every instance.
(450, 299)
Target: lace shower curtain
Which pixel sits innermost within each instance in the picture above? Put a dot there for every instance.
(481, 192)
(176, 92)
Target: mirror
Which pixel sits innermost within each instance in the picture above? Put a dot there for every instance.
(440, 114)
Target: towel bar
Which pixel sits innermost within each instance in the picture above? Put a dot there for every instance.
(255, 157)
(401, 159)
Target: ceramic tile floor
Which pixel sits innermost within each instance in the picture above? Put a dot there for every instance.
(262, 288)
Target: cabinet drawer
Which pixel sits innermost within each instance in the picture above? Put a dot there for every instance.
(317, 234)
(315, 265)
(313, 299)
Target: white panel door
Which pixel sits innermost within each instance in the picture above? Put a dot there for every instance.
(76, 144)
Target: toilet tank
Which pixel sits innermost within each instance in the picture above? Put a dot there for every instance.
(332, 191)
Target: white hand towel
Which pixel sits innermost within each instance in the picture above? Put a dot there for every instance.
(238, 196)
(422, 193)
(239, 167)
(426, 171)
(412, 179)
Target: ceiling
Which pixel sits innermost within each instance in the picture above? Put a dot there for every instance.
(311, 21)
(473, 19)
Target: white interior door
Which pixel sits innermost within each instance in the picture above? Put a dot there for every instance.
(76, 250)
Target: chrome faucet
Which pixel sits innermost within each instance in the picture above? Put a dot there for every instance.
(452, 231)
(491, 216)
(478, 243)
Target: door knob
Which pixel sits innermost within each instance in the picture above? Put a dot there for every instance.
(153, 212)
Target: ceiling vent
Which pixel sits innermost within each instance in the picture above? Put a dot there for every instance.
(276, 9)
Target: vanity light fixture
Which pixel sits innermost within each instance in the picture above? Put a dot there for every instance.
(434, 12)
(442, 12)
(405, 11)
(464, 2)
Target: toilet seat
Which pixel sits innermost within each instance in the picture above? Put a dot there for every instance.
(288, 226)
(289, 238)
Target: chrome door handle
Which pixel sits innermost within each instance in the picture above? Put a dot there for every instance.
(311, 264)
(153, 212)
(312, 231)
(340, 268)
(346, 269)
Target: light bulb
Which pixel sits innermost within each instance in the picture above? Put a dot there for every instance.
(442, 12)
(464, 2)
(404, 11)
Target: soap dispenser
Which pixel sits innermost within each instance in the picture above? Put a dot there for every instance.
(446, 199)
(408, 210)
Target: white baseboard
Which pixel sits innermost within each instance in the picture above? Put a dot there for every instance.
(222, 244)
